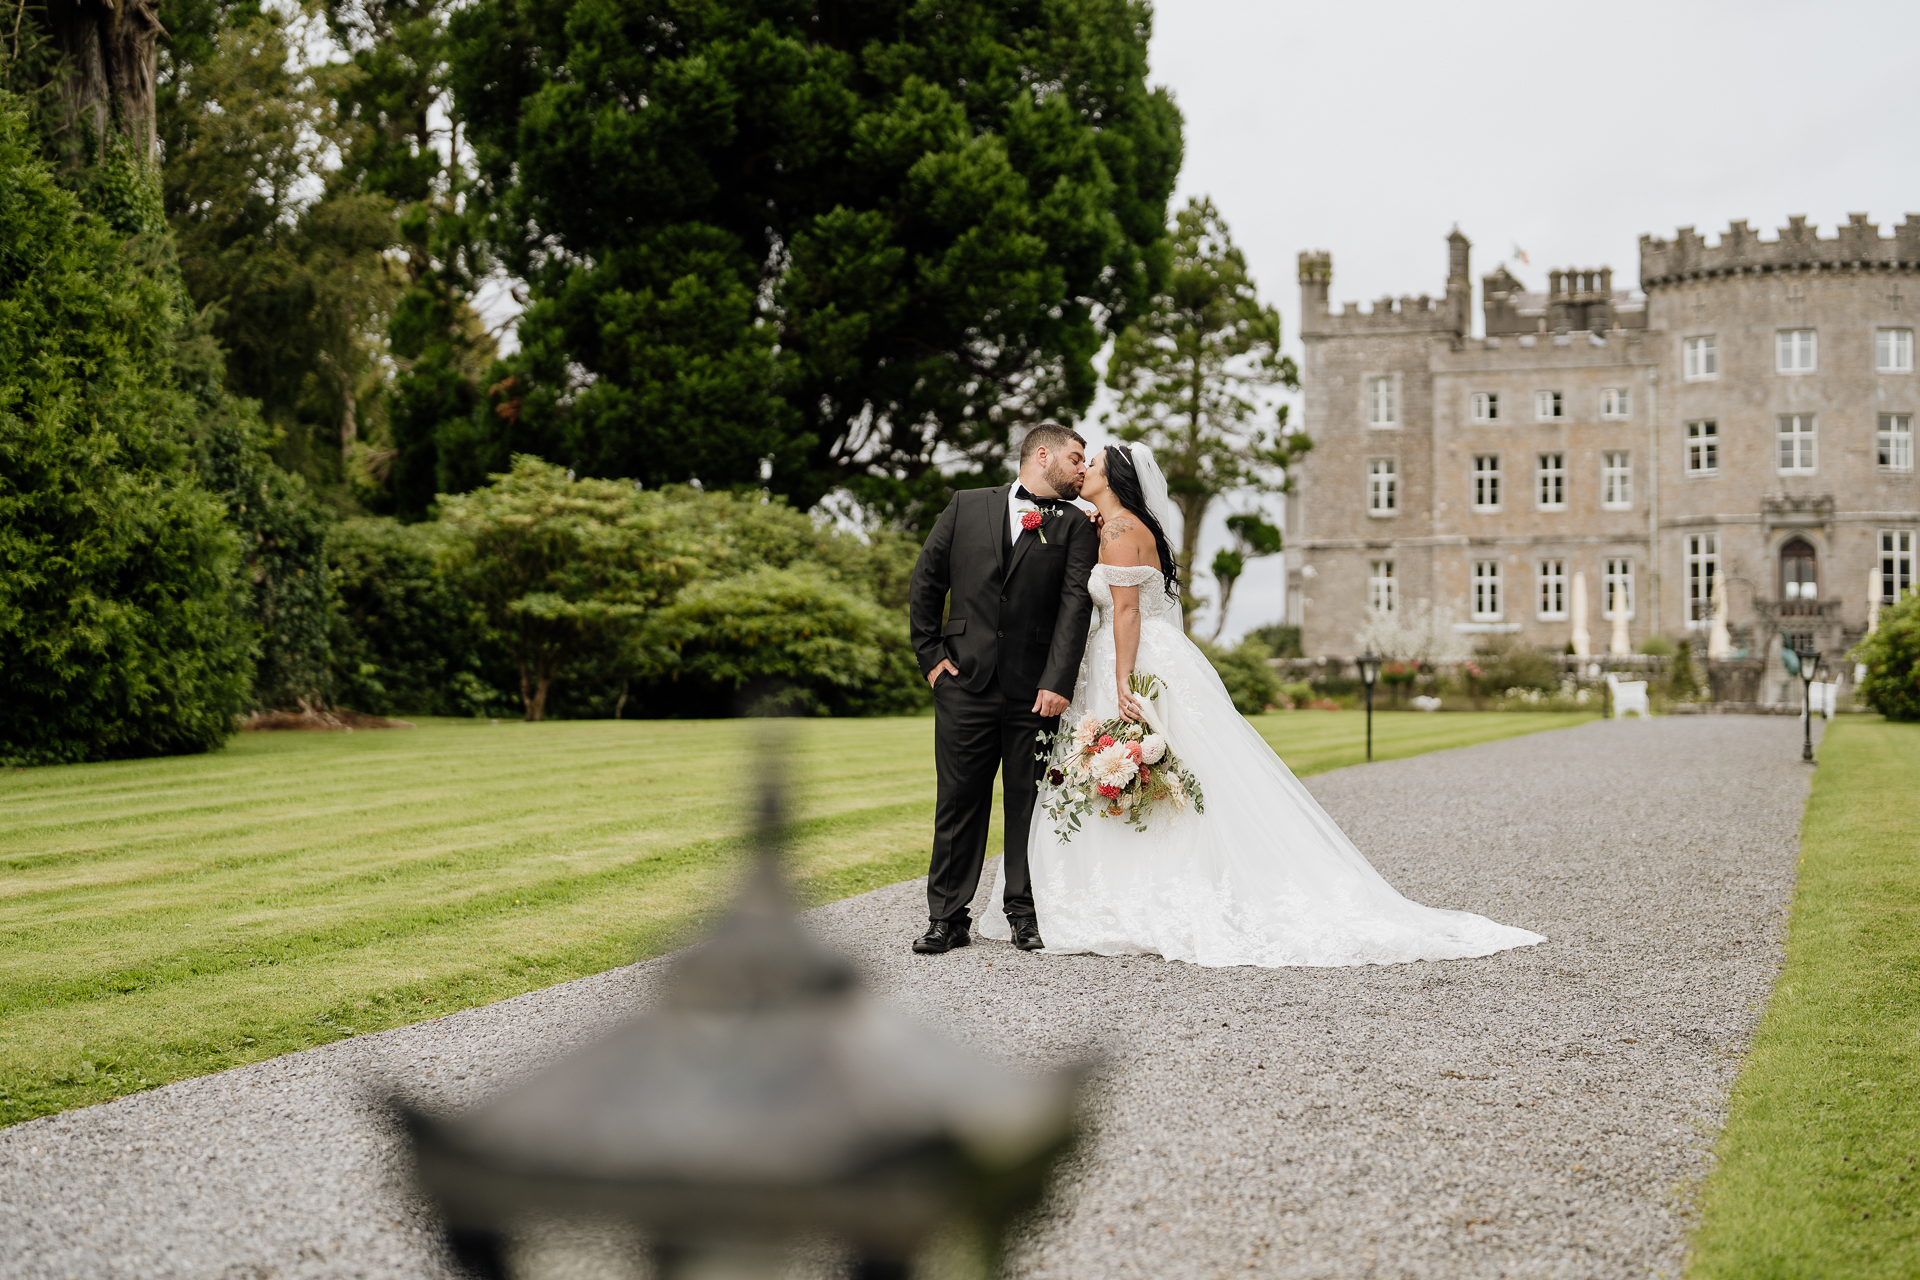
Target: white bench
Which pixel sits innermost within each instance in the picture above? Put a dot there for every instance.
(1628, 695)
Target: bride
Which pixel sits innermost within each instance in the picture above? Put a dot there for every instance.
(1263, 876)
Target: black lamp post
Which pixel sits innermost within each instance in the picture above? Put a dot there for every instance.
(766, 1099)
(1807, 667)
(1369, 674)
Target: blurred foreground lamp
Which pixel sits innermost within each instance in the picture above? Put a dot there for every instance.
(1369, 674)
(767, 1100)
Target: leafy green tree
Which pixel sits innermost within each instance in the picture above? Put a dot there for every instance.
(565, 568)
(283, 249)
(1243, 669)
(406, 128)
(771, 242)
(1891, 656)
(1252, 538)
(122, 628)
(1192, 372)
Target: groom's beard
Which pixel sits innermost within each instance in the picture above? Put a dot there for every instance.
(1065, 483)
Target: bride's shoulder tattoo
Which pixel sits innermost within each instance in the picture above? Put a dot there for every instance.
(1115, 527)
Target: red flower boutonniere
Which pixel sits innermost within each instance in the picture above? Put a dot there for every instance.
(1031, 519)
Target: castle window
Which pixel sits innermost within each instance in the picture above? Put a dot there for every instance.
(1703, 562)
(1614, 403)
(1383, 487)
(1893, 443)
(1703, 448)
(1382, 402)
(1616, 480)
(1795, 439)
(1553, 590)
(1896, 564)
(1700, 357)
(1616, 588)
(1380, 589)
(1893, 351)
(1548, 406)
(1799, 576)
(1486, 406)
(1793, 351)
(1552, 477)
(1486, 482)
(1486, 591)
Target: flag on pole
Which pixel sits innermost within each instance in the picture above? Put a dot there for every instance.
(1520, 255)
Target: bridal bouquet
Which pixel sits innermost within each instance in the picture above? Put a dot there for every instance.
(1116, 768)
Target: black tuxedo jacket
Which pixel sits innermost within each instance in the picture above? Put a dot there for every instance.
(1020, 608)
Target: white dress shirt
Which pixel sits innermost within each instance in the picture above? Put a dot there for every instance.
(1017, 507)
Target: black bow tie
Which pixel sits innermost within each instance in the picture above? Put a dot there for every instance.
(1021, 492)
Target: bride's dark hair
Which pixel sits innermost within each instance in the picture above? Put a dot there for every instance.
(1125, 483)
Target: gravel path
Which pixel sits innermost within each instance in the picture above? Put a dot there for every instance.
(1538, 1113)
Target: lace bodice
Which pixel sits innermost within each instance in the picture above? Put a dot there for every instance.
(1154, 600)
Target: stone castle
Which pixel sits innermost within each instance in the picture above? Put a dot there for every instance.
(1745, 418)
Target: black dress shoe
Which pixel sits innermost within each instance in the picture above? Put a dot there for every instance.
(1026, 935)
(943, 936)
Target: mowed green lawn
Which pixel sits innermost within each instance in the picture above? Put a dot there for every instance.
(166, 918)
(1818, 1171)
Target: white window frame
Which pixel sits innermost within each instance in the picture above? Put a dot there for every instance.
(1796, 444)
(1796, 351)
(1486, 406)
(1383, 487)
(1382, 591)
(1893, 442)
(1703, 447)
(1893, 351)
(1700, 357)
(1616, 403)
(1896, 564)
(1486, 591)
(1550, 578)
(1486, 482)
(1616, 480)
(1703, 561)
(1549, 406)
(1383, 401)
(1616, 580)
(1550, 481)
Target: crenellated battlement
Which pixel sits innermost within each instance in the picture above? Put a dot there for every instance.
(1856, 246)
(1412, 313)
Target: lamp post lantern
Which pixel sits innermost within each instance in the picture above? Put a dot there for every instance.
(765, 1099)
(1369, 674)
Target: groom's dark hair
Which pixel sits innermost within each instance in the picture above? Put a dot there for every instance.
(1052, 435)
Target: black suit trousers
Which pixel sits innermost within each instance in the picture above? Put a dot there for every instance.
(976, 735)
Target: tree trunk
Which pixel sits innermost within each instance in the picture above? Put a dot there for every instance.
(1193, 510)
(108, 51)
(349, 420)
(1226, 594)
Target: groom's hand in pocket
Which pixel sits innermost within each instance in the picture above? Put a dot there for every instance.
(946, 667)
(1048, 703)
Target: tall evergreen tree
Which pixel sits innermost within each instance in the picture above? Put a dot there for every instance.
(1192, 371)
(807, 242)
(123, 627)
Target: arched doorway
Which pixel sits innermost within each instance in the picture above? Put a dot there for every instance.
(1799, 575)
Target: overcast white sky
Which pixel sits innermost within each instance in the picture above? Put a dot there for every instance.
(1370, 129)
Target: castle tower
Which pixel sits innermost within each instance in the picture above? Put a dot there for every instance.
(1459, 282)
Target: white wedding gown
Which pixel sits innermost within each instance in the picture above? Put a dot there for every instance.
(1263, 877)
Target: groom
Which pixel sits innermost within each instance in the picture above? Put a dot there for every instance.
(1002, 659)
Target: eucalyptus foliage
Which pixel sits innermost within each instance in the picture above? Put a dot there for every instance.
(1193, 372)
(123, 631)
(806, 245)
